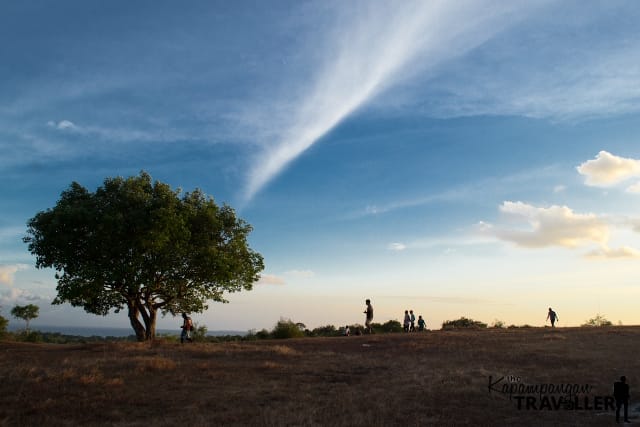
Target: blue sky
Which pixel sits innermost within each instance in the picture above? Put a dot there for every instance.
(460, 158)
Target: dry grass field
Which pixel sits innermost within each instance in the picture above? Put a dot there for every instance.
(439, 378)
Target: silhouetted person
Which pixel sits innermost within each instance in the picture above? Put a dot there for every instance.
(552, 316)
(621, 394)
(412, 318)
(407, 321)
(369, 317)
(421, 323)
(347, 331)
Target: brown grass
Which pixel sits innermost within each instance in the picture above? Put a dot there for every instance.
(430, 379)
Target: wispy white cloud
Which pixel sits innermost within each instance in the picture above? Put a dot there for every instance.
(62, 125)
(559, 189)
(270, 279)
(12, 296)
(373, 49)
(624, 252)
(273, 279)
(634, 188)
(397, 247)
(299, 274)
(608, 170)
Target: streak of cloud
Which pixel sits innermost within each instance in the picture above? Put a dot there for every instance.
(377, 45)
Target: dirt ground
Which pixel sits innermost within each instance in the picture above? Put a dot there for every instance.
(493, 377)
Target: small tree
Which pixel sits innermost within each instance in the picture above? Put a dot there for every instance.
(25, 312)
(599, 320)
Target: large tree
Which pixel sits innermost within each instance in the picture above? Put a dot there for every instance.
(139, 245)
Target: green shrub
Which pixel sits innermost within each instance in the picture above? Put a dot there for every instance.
(325, 331)
(31, 336)
(199, 333)
(498, 324)
(463, 323)
(286, 328)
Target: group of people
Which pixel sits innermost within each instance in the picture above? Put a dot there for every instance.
(409, 324)
(409, 320)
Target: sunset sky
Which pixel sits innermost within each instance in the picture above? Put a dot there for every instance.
(457, 158)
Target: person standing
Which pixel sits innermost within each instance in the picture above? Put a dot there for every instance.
(407, 321)
(621, 394)
(369, 316)
(412, 318)
(552, 316)
(187, 326)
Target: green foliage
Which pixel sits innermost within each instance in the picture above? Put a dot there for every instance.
(286, 328)
(498, 324)
(199, 333)
(463, 323)
(325, 331)
(25, 312)
(389, 326)
(3, 327)
(599, 320)
(29, 336)
(263, 334)
(138, 245)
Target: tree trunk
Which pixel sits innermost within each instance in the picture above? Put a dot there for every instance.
(135, 323)
(150, 322)
(149, 315)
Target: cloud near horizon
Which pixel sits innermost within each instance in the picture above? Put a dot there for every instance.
(270, 279)
(556, 226)
(7, 272)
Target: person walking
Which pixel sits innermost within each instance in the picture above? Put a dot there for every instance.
(553, 317)
(369, 316)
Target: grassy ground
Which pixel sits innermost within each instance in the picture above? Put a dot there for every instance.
(437, 378)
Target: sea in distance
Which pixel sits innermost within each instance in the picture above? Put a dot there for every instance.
(96, 331)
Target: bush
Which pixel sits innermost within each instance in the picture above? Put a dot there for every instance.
(263, 334)
(3, 327)
(31, 336)
(463, 323)
(286, 328)
(389, 326)
(199, 333)
(599, 320)
(498, 324)
(325, 331)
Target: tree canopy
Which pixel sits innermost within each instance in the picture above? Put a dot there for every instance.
(140, 245)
